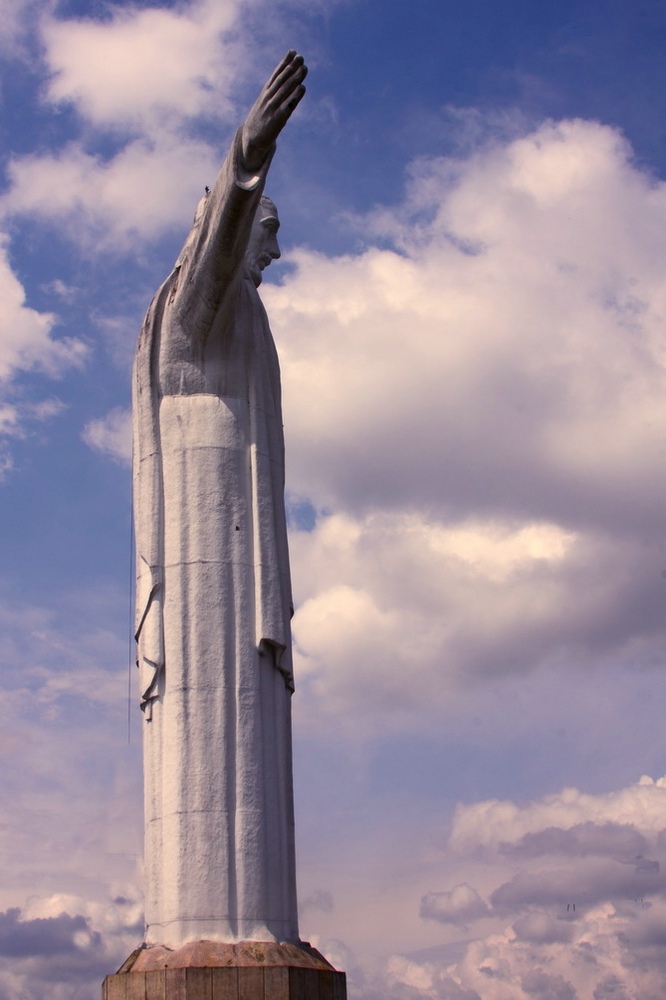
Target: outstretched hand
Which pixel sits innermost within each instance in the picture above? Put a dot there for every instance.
(272, 109)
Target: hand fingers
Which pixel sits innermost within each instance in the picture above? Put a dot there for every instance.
(290, 69)
(292, 74)
(291, 83)
(280, 66)
(296, 99)
(285, 111)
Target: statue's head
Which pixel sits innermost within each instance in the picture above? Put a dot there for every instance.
(263, 246)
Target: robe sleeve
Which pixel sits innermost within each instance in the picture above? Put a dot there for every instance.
(214, 252)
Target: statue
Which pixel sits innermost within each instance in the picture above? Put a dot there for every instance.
(213, 589)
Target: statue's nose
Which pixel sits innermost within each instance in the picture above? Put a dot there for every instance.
(275, 250)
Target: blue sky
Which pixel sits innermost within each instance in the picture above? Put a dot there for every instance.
(470, 312)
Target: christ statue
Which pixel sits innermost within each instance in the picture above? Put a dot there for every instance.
(213, 601)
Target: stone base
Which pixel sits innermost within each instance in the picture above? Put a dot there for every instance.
(212, 970)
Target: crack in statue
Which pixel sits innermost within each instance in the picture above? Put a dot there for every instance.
(213, 587)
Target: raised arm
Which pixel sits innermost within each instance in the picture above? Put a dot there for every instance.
(216, 247)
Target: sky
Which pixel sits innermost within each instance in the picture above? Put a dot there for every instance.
(470, 312)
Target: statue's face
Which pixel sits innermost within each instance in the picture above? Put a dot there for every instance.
(263, 246)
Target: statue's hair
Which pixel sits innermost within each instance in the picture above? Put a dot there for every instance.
(267, 206)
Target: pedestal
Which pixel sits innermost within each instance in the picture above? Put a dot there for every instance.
(211, 970)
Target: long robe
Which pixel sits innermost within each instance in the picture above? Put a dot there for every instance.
(213, 592)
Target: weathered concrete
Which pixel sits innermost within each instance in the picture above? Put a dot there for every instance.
(209, 970)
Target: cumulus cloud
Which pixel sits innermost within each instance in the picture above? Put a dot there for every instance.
(541, 927)
(460, 905)
(634, 813)
(111, 435)
(581, 885)
(41, 936)
(539, 984)
(476, 411)
(56, 945)
(148, 188)
(26, 341)
(598, 960)
(407, 980)
(507, 355)
(580, 840)
(430, 605)
(572, 922)
(117, 915)
(145, 67)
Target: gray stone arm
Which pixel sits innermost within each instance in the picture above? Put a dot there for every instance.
(214, 255)
(215, 250)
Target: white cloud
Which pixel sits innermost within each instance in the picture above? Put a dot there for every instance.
(519, 376)
(481, 409)
(26, 342)
(596, 957)
(111, 435)
(489, 824)
(145, 190)
(565, 928)
(58, 944)
(111, 916)
(397, 611)
(145, 68)
(459, 905)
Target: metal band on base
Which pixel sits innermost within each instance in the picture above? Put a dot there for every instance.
(210, 970)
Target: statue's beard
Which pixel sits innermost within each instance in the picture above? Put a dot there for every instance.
(254, 272)
(253, 265)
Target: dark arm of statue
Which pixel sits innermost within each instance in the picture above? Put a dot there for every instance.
(215, 249)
